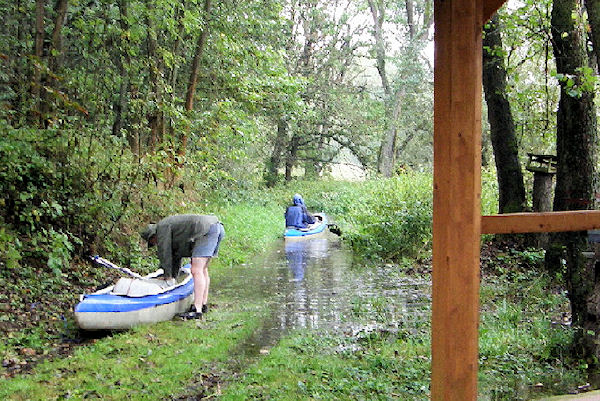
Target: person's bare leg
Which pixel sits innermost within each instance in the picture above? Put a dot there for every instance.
(200, 284)
(206, 282)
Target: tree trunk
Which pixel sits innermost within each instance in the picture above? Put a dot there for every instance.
(154, 115)
(387, 150)
(502, 128)
(393, 99)
(55, 60)
(275, 159)
(291, 156)
(54, 57)
(191, 90)
(313, 163)
(174, 70)
(174, 74)
(38, 52)
(575, 170)
(542, 192)
(377, 11)
(593, 12)
(410, 19)
(121, 104)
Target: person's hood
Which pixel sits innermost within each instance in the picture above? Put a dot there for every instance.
(298, 200)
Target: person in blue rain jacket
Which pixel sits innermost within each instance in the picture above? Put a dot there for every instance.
(297, 215)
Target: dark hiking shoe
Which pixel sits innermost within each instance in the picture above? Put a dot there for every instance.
(204, 308)
(191, 315)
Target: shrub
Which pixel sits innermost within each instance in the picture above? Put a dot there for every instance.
(392, 218)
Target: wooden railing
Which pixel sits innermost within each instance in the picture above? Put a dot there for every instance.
(513, 223)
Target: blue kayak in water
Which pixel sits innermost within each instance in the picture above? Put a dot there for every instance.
(313, 230)
(135, 301)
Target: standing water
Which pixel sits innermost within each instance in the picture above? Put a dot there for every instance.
(314, 284)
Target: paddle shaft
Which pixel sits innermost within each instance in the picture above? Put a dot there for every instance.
(106, 263)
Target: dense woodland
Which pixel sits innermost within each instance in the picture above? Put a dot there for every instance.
(113, 111)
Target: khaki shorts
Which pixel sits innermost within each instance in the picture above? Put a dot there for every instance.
(208, 246)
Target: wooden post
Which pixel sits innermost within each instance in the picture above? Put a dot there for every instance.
(542, 192)
(543, 168)
(456, 199)
(542, 202)
(457, 220)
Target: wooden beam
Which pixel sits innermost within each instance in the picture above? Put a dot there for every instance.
(490, 7)
(456, 199)
(512, 223)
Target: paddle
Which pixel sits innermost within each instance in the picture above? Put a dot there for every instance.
(106, 263)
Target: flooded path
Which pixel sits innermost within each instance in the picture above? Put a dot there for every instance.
(313, 284)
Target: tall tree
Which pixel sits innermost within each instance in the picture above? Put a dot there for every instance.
(502, 127)
(275, 158)
(55, 53)
(387, 151)
(575, 136)
(123, 61)
(38, 52)
(323, 39)
(193, 81)
(593, 13)
(394, 93)
(155, 115)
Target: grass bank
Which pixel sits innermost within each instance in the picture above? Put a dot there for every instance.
(39, 331)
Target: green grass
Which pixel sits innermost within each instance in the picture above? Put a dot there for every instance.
(519, 346)
(326, 367)
(146, 363)
(150, 362)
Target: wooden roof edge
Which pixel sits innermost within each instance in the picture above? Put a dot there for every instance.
(512, 223)
(490, 7)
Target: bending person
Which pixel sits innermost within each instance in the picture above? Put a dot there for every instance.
(187, 235)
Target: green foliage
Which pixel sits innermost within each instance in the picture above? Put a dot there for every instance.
(388, 219)
(391, 219)
(59, 251)
(576, 86)
(532, 94)
(489, 191)
(30, 176)
(10, 255)
(522, 339)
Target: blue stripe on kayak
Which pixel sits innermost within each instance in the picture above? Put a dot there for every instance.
(291, 232)
(120, 303)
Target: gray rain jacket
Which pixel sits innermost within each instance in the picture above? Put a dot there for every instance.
(176, 236)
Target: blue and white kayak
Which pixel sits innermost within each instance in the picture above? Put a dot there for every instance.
(134, 301)
(315, 230)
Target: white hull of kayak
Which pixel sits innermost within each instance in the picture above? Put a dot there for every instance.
(127, 320)
(131, 302)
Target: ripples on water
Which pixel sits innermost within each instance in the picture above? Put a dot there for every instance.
(313, 284)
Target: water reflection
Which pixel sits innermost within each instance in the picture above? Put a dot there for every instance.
(313, 284)
(299, 252)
